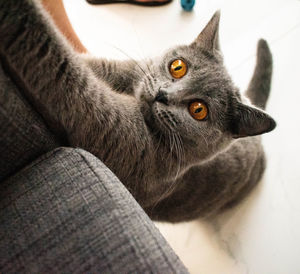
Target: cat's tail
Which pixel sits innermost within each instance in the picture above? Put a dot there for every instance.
(260, 84)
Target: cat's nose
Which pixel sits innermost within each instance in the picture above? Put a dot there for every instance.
(162, 97)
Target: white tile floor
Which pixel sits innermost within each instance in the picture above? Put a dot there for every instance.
(262, 235)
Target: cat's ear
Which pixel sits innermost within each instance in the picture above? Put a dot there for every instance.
(209, 37)
(250, 121)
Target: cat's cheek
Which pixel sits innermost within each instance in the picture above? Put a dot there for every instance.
(189, 143)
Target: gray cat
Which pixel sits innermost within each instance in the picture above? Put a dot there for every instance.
(171, 128)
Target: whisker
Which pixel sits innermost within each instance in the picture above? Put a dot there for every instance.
(130, 57)
(158, 143)
(171, 152)
(178, 155)
(142, 52)
(149, 70)
(203, 137)
(182, 148)
(178, 150)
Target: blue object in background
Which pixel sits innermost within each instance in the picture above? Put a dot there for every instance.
(187, 4)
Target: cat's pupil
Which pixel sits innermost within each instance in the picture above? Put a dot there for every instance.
(198, 110)
(178, 68)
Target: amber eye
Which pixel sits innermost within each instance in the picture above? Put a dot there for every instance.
(198, 110)
(178, 68)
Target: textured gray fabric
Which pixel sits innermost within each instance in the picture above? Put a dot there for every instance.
(68, 213)
(23, 135)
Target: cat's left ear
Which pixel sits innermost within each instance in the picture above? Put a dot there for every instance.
(250, 121)
(208, 39)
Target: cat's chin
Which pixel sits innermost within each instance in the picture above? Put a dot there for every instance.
(146, 101)
(146, 110)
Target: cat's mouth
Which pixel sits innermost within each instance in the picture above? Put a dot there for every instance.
(157, 119)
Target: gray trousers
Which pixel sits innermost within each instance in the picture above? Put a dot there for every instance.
(68, 213)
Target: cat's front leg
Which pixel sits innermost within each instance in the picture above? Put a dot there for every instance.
(67, 94)
(121, 76)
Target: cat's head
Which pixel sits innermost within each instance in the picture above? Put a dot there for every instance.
(187, 93)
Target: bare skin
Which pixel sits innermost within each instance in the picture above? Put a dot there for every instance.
(58, 13)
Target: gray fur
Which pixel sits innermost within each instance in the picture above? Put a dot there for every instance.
(177, 168)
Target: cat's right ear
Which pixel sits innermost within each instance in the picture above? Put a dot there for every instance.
(208, 39)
